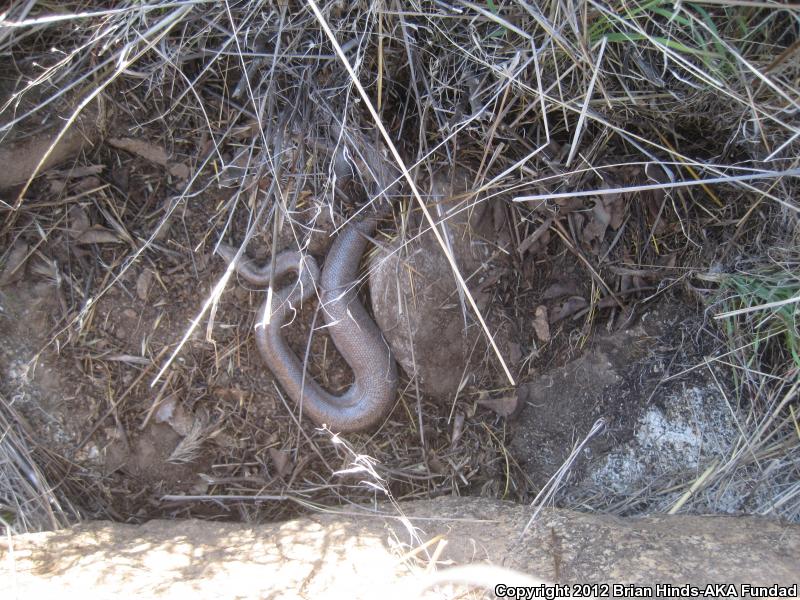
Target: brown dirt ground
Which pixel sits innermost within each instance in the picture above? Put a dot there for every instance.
(98, 325)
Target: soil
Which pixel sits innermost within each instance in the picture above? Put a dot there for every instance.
(38, 381)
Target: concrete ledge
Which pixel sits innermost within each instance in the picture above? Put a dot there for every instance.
(364, 556)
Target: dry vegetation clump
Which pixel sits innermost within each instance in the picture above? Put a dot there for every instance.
(655, 144)
(28, 500)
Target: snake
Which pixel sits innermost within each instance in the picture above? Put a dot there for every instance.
(371, 396)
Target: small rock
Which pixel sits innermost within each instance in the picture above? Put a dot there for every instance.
(415, 298)
(97, 234)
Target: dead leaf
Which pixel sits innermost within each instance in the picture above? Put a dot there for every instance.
(282, 461)
(458, 428)
(596, 224)
(499, 216)
(541, 325)
(97, 234)
(568, 205)
(78, 172)
(669, 260)
(151, 152)
(143, 284)
(570, 306)
(540, 233)
(601, 213)
(57, 186)
(180, 170)
(85, 184)
(58, 179)
(505, 406)
(616, 208)
(654, 201)
(560, 289)
(242, 132)
(77, 220)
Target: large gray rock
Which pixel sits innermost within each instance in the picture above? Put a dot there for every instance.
(415, 298)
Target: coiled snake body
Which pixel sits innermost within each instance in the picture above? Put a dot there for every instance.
(371, 396)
